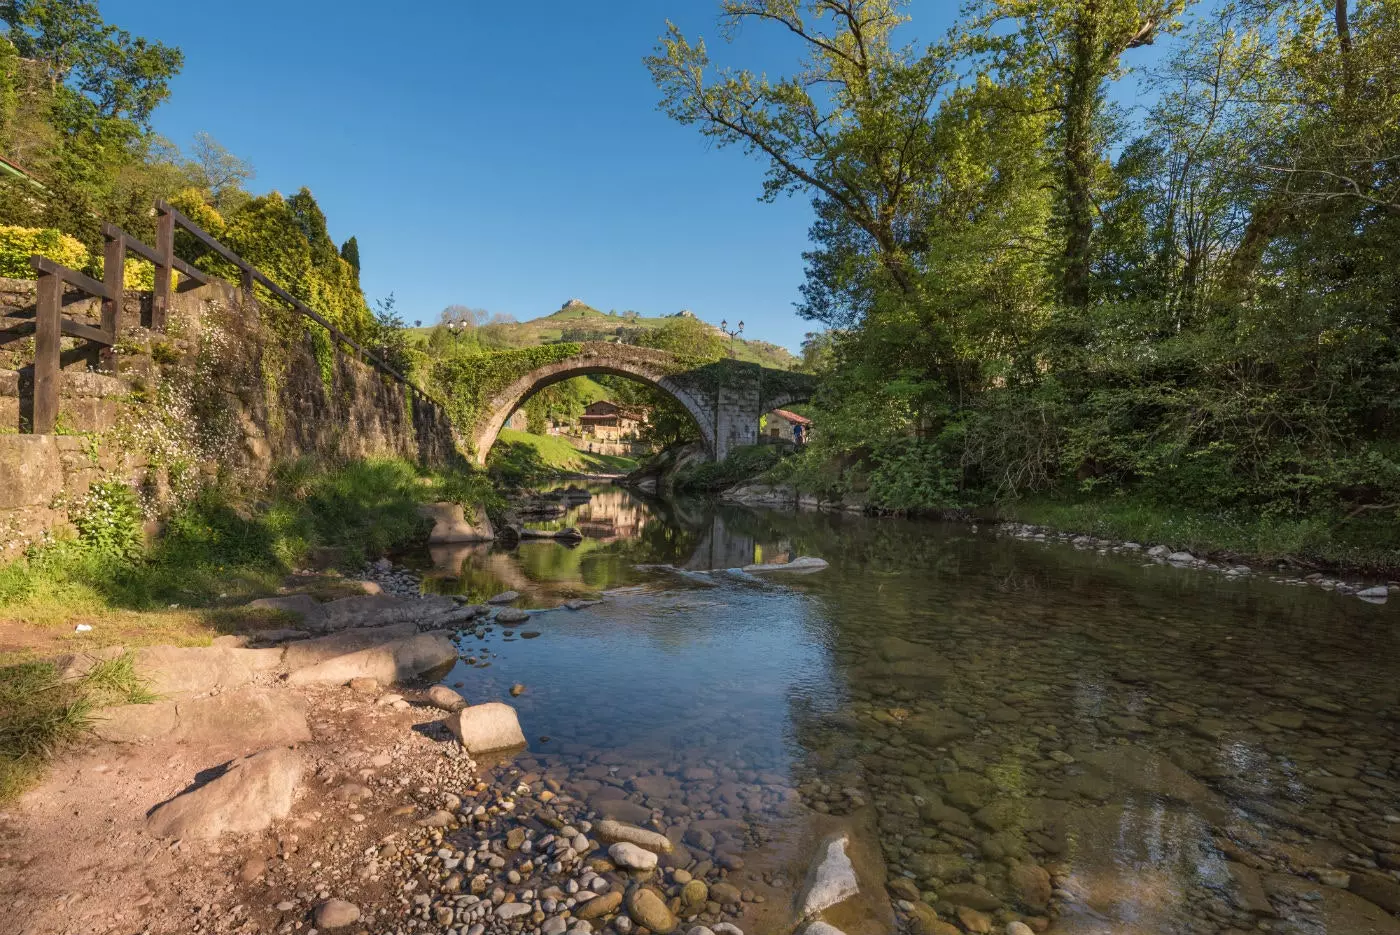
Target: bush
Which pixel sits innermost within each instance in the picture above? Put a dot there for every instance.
(18, 244)
(739, 465)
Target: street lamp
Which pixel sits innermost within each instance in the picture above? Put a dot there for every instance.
(738, 330)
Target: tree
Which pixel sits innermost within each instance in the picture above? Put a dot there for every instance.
(850, 126)
(109, 74)
(688, 337)
(350, 253)
(1064, 52)
(219, 172)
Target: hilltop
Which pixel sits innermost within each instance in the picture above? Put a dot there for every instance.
(578, 321)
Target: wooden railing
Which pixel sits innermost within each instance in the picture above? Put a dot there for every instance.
(50, 325)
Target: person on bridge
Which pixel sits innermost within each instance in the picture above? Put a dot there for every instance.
(797, 434)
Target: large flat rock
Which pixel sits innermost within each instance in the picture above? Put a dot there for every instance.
(175, 672)
(375, 610)
(249, 796)
(305, 653)
(389, 662)
(247, 718)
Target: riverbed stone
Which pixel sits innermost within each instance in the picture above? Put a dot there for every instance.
(486, 727)
(626, 854)
(445, 698)
(391, 662)
(599, 906)
(336, 914)
(611, 832)
(832, 879)
(1032, 885)
(648, 909)
(248, 796)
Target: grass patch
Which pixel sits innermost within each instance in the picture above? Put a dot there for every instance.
(1360, 544)
(41, 712)
(225, 547)
(520, 457)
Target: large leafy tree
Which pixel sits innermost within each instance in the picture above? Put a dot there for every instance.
(848, 126)
(76, 97)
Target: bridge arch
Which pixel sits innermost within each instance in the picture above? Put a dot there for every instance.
(649, 367)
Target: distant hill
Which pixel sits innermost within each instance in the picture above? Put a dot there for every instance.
(577, 321)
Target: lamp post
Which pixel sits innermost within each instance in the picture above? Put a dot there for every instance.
(738, 330)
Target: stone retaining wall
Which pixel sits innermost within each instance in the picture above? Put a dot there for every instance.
(224, 383)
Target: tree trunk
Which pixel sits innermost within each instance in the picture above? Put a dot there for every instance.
(1081, 96)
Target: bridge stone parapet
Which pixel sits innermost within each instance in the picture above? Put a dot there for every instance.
(725, 397)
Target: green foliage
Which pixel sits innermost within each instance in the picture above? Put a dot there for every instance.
(1205, 321)
(18, 244)
(224, 542)
(522, 458)
(350, 253)
(741, 464)
(41, 713)
(109, 520)
(468, 382)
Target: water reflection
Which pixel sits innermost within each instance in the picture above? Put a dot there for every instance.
(990, 720)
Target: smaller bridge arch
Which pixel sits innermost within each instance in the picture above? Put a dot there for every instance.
(725, 398)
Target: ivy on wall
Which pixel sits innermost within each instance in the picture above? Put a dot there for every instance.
(468, 383)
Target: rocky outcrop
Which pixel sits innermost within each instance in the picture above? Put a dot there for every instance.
(248, 796)
(450, 524)
(395, 660)
(248, 717)
(185, 671)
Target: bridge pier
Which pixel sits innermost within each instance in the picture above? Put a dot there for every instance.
(738, 404)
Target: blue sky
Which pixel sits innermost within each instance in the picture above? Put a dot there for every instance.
(501, 156)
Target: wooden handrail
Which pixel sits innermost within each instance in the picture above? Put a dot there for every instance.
(50, 325)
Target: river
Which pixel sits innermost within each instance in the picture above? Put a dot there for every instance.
(986, 719)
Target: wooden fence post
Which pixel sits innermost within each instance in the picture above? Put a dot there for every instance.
(114, 278)
(245, 283)
(46, 350)
(165, 249)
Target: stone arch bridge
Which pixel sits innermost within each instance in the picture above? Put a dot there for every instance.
(725, 398)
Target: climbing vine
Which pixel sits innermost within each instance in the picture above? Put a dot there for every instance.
(468, 383)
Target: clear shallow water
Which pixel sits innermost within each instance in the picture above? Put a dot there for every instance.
(1178, 752)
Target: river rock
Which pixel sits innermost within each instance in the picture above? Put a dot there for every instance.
(1032, 885)
(176, 672)
(600, 906)
(818, 927)
(230, 723)
(445, 698)
(1381, 890)
(626, 854)
(252, 793)
(726, 894)
(832, 880)
(803, 563)
(319, 649)
(512, 615)
(612, 832)
(648, 909)
(485, 727)
(695, 894)
(450, 523)
(336, 914)
(375, 610)
(1019, 928)
(970, 895)
(505, 597)
(396, 661)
